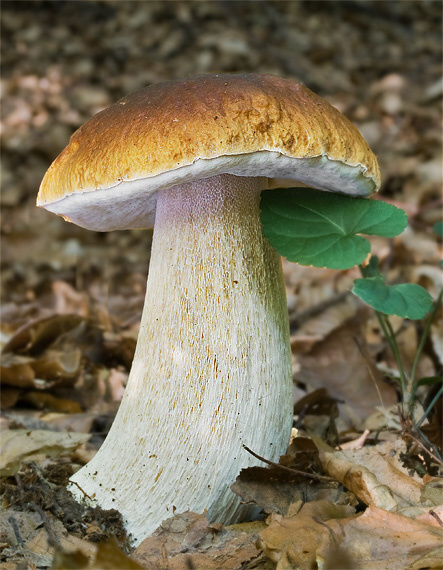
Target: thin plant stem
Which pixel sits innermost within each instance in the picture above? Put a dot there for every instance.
(425, 334)
(418, 442)
(390, 337)
(394, 347)
(429, 408)
(424, 438)
(284, 468)
(407, 381)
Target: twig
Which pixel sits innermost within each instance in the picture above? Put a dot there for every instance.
(13, 523)
(425, 440)
(303, 473)
(418, 442)
(84, 493)
(52, 537)
(331, 532)
(425, 334)
(355, 443)
(436, 517)
(19, 485)
(429, 408)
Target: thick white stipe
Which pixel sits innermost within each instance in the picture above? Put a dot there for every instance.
(212, 369)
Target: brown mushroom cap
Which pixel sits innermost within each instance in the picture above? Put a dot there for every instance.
(178, 131)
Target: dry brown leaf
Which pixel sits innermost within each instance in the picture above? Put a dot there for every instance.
(39, 373)
(120, 348)
(105, 556)
(281, 540)
(432, 492)
(26, 523)
(312, 286)
(84, 453)
(68, 301)
(41, 400)
(36, 537)
(69, 560)
(384, 460)
(375, 475)
(343, 365)
(274, 490)
(317, 403)
(188, 541)
(110, 557)
(57, 364)
(356, 443)
(9, 397)
(17, 371)
(384, 418)
(433, 516)
(25, 419)
(36, 335)
(80, 423)
(42, 545)
(422, 248)
(317, 327)
(432, 559)
(23, 445)
(375, 540)
(360, 481)
(116, 382)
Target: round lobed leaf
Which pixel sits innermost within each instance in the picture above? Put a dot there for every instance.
(407, 300)
(438, 228)
(313, 227)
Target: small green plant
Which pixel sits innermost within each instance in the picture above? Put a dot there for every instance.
(321, 229)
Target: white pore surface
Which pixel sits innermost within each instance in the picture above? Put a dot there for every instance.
(212, 369)
(131, 204)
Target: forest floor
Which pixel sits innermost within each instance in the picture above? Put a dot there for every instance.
(370, 492)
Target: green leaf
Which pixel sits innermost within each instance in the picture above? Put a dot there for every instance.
(438, 228)
(406, 300)
(312, 227)
(371, 270)
(428, 380)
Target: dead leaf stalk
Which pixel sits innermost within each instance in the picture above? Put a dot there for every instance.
(302, 473)
(13, 523)
(84, 492)
(436, 517)
(420, 444)
(331, 532)
(52, 537)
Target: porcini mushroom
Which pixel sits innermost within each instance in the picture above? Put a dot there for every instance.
(212, 368)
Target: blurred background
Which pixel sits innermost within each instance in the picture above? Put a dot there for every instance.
(71, 299)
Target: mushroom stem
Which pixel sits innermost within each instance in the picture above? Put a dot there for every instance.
(212, 368)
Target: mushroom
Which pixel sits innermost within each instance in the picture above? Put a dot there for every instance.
(212, 368)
